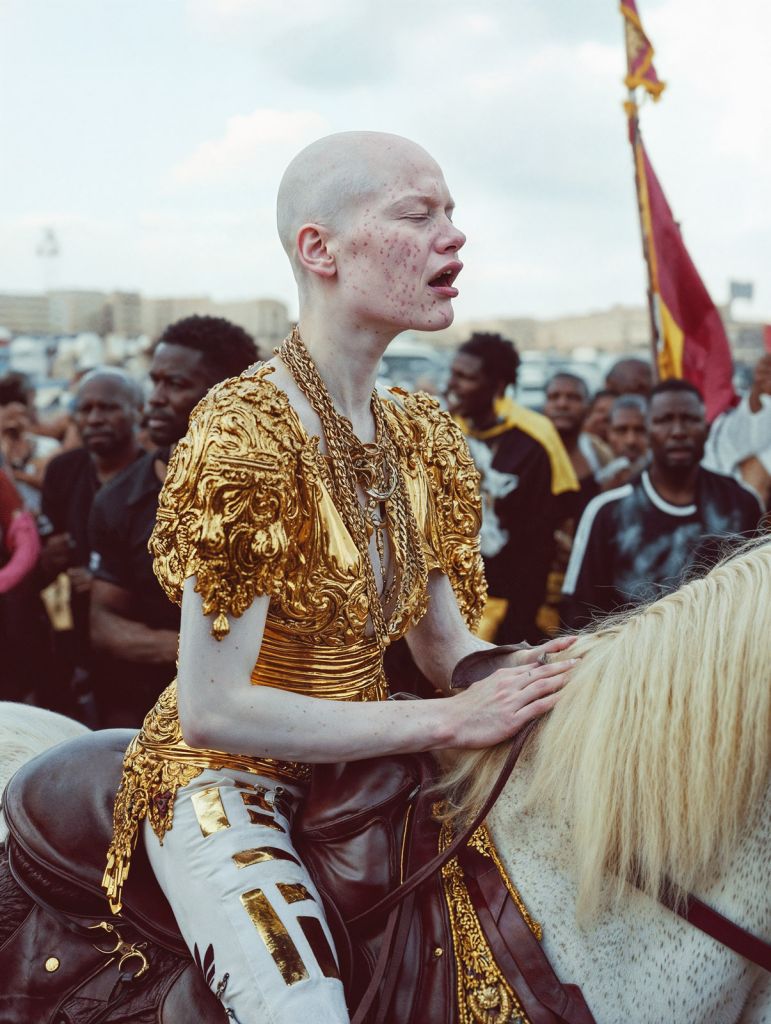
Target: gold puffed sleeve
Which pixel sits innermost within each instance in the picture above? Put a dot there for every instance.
(452, 532)
(229, 510)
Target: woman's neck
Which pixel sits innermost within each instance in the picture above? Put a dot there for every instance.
(347, 359)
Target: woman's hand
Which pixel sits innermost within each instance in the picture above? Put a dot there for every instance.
(539, 655)
(498, 706)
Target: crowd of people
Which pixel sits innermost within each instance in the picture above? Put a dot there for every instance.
(308, 521)
(602, 501)
(85, 628)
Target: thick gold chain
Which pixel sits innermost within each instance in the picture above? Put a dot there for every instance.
(379, 476)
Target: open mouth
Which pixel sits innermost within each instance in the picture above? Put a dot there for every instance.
(444, 281)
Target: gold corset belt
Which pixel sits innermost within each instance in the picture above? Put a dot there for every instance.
(350, 672)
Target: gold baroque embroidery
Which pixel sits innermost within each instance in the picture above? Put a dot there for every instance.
(246, 509)
(482, 842)
(484, 996)
(229, 509)
(453, 530)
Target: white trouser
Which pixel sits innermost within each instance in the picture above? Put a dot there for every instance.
(245, 905)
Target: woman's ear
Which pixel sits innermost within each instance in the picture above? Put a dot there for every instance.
(313, 251)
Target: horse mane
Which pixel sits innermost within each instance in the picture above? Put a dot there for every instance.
(658, 752)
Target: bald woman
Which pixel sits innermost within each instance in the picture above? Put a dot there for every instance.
(309, 520)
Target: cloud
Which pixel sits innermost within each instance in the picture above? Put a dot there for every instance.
(253, 145)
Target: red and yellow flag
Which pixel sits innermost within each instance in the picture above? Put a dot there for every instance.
(639, 53)
(692, 340)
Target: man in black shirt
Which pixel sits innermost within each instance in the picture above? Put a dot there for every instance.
(106, 411)
(519, 508)
(132, 622)
(639, 541)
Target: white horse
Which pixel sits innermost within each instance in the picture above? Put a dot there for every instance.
(656, 760)
(25, 732)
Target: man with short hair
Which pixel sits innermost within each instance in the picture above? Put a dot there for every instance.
(598, 417)
(638, 541)
(133, 626)
(630, 376)
(567, 405)
(520, 510)
(739, 440)
(628, 438)
(106, 410)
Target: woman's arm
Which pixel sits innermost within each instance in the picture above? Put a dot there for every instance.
(220, 709)
(442, 638)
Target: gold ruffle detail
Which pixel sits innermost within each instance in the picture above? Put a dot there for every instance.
(452, 531)
(484, 996)
(157, 763)
(230, 510)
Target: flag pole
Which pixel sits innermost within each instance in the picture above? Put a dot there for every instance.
(634, 138)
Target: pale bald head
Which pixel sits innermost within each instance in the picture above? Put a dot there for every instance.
(333, 176)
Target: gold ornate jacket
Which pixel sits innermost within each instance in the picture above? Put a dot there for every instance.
(246, 508)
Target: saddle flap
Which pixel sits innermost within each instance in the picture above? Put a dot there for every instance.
(59, 813)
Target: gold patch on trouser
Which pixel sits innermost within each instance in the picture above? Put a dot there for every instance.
(293, 892)
(265, 819)
(261, 855)
(209, 811)
(319, 943)
(257, 799)
(275, 936)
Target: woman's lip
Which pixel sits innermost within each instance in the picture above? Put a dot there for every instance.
(446, 290)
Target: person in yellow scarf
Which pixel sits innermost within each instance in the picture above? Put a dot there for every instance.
(525, 470)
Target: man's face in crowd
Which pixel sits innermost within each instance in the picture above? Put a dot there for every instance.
(566, 404)
(14, 419)
(632, 377)
(397, 251)
(677, 429)
(628, 433)
(597, 421)
(470, 392)
(105, 416)
(180, 379)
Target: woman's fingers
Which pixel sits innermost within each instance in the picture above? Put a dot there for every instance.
(526, 675)
(538, 655)
(534, 709)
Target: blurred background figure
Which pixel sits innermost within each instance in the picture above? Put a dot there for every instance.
(638, 541)
(740, 439)
(24, 454)
(630, 377)
(524, 470)
(567, 406)
(106, 411)
(19, 549)
(134, 626)
(628, 437)
(597, 419)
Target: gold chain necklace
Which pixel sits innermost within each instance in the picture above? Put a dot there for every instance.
(374, 468)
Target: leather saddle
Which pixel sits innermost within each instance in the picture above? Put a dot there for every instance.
(59, 813)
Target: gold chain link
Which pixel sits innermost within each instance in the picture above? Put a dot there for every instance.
(375, 468)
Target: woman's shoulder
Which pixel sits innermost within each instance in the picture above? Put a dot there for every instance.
(422, 417)
(246, 414)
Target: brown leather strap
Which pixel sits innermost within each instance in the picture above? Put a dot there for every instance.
(384, 956)
(720, 928)
(419, 877)
(517, 952)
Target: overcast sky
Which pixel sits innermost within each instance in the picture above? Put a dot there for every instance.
(151, 135)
